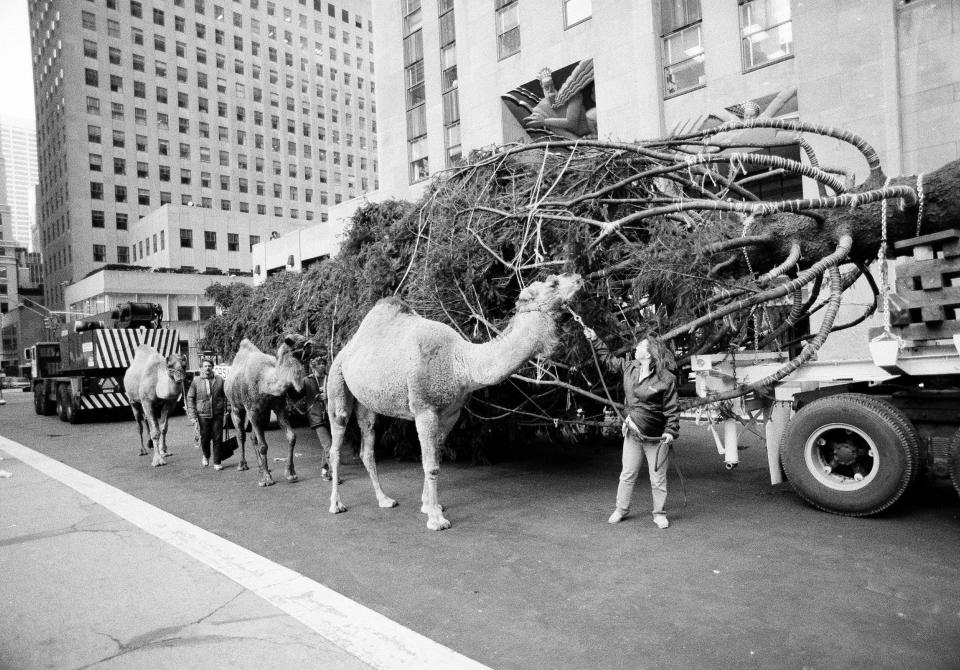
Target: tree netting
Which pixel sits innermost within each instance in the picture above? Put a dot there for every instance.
(668, 236)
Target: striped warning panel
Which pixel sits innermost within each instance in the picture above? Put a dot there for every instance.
(116, 347)
(103, 400)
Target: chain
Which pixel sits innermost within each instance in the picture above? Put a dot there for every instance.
(746, 225)
(919, 202)
(882, 260)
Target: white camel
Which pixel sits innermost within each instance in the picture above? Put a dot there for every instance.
(153, 384)
(401, 365)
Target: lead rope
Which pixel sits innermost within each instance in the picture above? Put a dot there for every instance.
(884, 272)
(657, 463)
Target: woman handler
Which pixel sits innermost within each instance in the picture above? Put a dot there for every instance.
(652, 419)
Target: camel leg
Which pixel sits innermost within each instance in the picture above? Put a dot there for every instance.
(283, 419)
(260, 443)
(323, 435)
(239, 417)
(428, 428)
(164, 417)
(337, 431)
(447, 422)
(138, 415)
(155, 437)
(366, 419)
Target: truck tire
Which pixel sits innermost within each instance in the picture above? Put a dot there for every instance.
(955, 461)
(850, 454)
(61, 406)
(41, 404)
(66, 406)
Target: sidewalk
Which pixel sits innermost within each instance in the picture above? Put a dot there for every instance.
(92, 577)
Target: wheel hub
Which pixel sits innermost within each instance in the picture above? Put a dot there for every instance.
(841, 456)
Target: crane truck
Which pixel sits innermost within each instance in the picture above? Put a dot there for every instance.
(80, 376)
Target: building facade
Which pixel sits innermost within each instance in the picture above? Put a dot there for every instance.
(261, 107)
(885, 69)
(18, 175)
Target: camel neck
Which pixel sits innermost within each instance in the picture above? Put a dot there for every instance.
(529, 333)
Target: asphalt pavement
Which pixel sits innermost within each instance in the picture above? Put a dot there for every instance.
(107, 562)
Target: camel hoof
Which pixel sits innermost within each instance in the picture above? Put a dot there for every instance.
(293, 478)
(266, 482)
(157, 464)
(242, 466)
(337, 508)
(437, 524)
(144, 452)
(387, 503)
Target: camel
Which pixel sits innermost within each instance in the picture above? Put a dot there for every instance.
(153, 384)
(401, 365)
(258, 383)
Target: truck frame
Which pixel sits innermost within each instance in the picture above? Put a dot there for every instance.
(853, 435)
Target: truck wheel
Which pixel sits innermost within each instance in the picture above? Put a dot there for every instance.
(65, 409)
(38, 399)
(850, 454)
(955, 461)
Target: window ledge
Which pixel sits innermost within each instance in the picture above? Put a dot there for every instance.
(768, 64)
(677, 94)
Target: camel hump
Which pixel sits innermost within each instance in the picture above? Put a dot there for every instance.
(394, 303)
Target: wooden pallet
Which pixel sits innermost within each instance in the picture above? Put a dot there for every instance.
(927, 300)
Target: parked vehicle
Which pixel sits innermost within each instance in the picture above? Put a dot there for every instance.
(81, 375)
(852, 435)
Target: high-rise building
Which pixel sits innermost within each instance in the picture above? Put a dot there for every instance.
(18, 174)
(471, 74)
(259, 107)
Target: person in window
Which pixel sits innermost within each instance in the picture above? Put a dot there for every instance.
(652, 418)
(206, 404)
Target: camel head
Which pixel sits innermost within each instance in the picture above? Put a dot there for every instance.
(176, 364)
(549, 295)
(293, 359)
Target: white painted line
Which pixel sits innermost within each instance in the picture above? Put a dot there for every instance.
(368, 635)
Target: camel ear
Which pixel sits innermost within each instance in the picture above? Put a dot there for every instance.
(290, 341)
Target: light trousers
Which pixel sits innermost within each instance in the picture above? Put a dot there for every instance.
(635, 450)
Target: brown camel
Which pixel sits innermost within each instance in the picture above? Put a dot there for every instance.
(153, 384)
(401, 365)
(258, 383)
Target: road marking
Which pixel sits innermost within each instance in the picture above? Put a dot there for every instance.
(358, 630)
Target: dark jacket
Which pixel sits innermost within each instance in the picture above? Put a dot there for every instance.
(651, 402)
(315, 398)
(203, 404)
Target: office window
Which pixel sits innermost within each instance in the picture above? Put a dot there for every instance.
(88, 20)
(91, 77)
(159, 43)
(89, 48)
(119, 166)
(508, 27)
(184, 313)
(121, 221)
(123, 254)
(138, 63)
(99, 253)
(575, 11)
(97, 218)
(766, 31)
(683, 55)
(143, 170)
(96, 162)
(118, 138)
(210, 239)
(93, 134)
(120, 193)
(233, 242)
(143, 196)
(186, 238)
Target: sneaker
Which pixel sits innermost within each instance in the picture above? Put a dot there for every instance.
(618, 515)
(661, 520)
(204, 463)
(217, 466)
